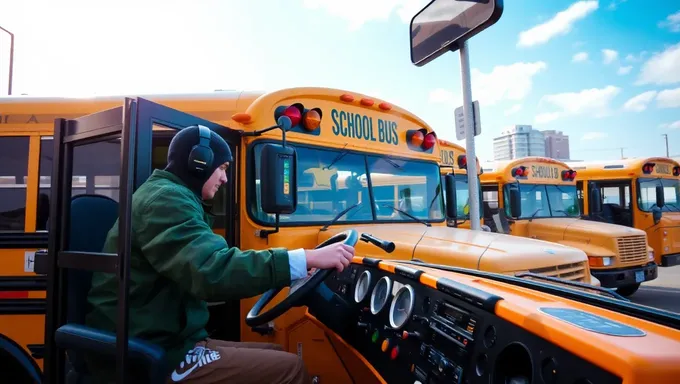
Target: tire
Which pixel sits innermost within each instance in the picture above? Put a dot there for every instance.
(628, 290)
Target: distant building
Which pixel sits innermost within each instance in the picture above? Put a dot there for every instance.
(518, 141)
(556, 145)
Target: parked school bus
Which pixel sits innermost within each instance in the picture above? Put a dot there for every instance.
(640, 193)
(344, 141)
(453, 160)
(378, 321)
(538, 197)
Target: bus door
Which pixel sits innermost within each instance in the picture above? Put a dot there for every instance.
(140, 131)
(615, 202)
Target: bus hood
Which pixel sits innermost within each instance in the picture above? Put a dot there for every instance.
(464, 248)
(576, 229)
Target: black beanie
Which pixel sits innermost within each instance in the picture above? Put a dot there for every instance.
(178, 157)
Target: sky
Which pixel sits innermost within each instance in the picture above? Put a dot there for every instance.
(606, 73)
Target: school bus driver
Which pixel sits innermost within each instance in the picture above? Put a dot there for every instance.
(538, 196)
(642, 193)
(360, 162)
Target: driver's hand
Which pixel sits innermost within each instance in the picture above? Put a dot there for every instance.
(337, 255)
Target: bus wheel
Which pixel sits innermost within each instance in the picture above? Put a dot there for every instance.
(628, 290)
(13, 371)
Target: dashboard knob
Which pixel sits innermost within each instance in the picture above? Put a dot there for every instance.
(444, 365)
(406, 334)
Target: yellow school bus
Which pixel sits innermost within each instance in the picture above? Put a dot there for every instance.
(641, 193)
(361, 162)
(453, 160)
(537, 198)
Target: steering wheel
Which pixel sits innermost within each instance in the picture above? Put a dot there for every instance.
(299, 289)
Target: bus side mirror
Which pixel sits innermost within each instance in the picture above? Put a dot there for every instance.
(278, 179)
(515, 202)
(451, 203)
(595, 200)
(656, 215)
(660, 198)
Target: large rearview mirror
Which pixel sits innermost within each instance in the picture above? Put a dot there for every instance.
(656, 215)
(450, 194)
(443, 25)
(278, 179)
(515, 201)
(660, 198)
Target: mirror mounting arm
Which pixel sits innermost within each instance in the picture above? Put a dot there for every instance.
(284, 124)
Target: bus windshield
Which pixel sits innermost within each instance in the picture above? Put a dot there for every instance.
(647, 194)
(541, 201)
(330, 181)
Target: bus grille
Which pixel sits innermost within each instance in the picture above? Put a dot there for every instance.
(571, 271)
(632, 249)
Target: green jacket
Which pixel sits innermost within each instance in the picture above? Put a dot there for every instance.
(177, 264)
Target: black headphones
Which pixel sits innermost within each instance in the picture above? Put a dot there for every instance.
(201, 155)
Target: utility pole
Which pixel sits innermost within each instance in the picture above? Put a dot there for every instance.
(665, 135)
(621, 153)
(11, 60)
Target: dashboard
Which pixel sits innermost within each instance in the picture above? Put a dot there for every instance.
(443, 332)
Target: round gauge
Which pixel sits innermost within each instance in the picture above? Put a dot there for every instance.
(361, 289)
(402, 306)
(380, 294)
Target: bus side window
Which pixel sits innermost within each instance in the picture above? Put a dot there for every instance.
(13, 175)
(96, 170)
(579, 195)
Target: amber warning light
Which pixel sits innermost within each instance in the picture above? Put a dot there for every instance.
(421, 139)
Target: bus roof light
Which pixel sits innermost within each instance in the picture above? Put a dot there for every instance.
(429, 141)
(520, 171)
(648, 168)
(568, 175)
(676, 171)
(293, 112)
(416, 138)
(462, 161)
(311, 119)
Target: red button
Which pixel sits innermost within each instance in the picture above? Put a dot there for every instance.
(394, 353)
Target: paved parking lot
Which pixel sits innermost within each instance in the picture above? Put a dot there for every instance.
(663, 293)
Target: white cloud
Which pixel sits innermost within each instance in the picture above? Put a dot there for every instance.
(505, 82)
(561, 24)
(594, 101)
(624, 70)
(636, 58)
(662, 68)
(672, 22)
(443, 96)
(614, 4)
(639, 103)
(580, 57)
(544, 118)
(594, 136)
(359, 12)
(669, 98)
(512, 110)
(673, 125)
(609, 56)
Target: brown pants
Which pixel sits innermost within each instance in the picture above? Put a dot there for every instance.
(217, 361)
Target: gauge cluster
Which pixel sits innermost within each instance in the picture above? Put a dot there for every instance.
(448, 334)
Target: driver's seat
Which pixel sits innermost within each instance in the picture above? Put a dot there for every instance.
(94, 215)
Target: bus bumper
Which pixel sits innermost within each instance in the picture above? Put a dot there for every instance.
(627, 276)
(670, 260)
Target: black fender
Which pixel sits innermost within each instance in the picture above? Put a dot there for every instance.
(21, 358)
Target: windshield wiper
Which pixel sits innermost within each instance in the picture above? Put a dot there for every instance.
(339, 215)
(534, 214)
(408, 214)
(338, 157)
(565, 212)
(610, 292)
